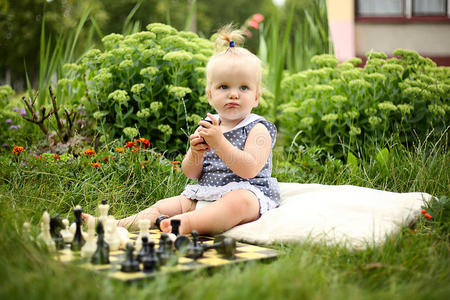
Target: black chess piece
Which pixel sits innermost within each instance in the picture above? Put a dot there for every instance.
(195, 250)
(223, 245)
(173, 258)
(163, 252)
(55, 227)
(158, 221)
(150, 261)
(101, 254)
(144, 249)
(210, 122)
(175, 223)
(130, 265)
(181, 242)
(78, 240)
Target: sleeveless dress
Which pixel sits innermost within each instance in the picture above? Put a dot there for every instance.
(217, 179)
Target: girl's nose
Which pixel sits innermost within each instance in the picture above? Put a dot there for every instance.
(234, 94)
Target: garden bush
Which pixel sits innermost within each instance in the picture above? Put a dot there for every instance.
(335, 106)
(150, 84)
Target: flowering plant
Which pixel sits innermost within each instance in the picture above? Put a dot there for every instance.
(342, 104)
(150, 83)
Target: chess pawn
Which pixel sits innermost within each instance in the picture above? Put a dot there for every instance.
(91, 244)
(123, 236)
(195, 250)
(78, 239)
(45, 236)
(223, 245)
(162, 252)
(130, 264)
(101, 254)
(65, 232)
(103, 209)
(112, 236)
(144, 226)
(150, 261)
(55, 227)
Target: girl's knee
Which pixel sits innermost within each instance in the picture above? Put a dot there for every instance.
(244, 202)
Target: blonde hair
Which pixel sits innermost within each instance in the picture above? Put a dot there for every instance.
(223, 49)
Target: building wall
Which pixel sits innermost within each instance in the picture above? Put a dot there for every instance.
(428, 39)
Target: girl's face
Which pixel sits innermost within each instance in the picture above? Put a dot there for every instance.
(234, 88)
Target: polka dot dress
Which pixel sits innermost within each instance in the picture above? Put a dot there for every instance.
(217, 179)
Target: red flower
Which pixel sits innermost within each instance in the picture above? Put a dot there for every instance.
(56, 156)
(89, 152)
(96, 165)
(136, 149)
(17, 150)
(106, 158)
(144, 142)
(253, 24)
(143, 163)
(428, 216)
(119, 150)
(424, 211)
(130, 144)
(258, 18)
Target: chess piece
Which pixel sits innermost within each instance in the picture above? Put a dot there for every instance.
(150, 261)
(65, 232)
(103, 209)
(55, 227)
(101, 254)
(45, 236)
(144, 226)
(175, 223)
(78, 240)
(195, 250)
(91, 244)
(223, 245)
(158, 221)
(163, 252)
(130, 264)
(111, 235)
(123, 236)
(144, 249)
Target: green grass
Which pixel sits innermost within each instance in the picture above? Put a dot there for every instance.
(409, 265)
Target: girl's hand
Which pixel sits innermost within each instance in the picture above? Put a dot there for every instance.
(197, 144)
(210, 132)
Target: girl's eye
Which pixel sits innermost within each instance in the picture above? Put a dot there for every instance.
(244, 87)
(223, 87)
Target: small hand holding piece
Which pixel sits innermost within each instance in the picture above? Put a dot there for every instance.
(210, 132)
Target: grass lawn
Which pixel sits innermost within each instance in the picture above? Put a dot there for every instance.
(413, 264)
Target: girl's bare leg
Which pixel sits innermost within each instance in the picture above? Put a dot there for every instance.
(235, 207)
(169, 206)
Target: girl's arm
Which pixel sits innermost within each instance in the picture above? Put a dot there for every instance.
(193, 160)
(245, 163)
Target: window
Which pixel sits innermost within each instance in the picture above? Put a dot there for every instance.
(401, 8)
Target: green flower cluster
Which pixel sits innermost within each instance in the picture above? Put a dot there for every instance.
(137, 83)
(337, 104)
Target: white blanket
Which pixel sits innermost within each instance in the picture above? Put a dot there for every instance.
(347, 215)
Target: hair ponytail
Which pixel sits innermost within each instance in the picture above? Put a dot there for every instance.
(227, 36)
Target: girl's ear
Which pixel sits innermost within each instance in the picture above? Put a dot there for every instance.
(257, 97)
(208, 93)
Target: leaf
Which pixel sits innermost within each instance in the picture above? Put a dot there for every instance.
(352, 162)
(383, 160)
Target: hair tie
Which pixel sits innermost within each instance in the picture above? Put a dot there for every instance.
(231, 44)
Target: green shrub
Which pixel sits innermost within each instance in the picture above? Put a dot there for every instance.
(336, 105)
(149, 84)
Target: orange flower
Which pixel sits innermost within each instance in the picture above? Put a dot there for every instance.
(89, 152)
(175, 162)
(106, 158)
(96, 165)
(429, 217)
(130, 144)
(175, 165)
(144, 142)
(56, 156)
(258, 18)
(136, 149)
(119, 150)
(17, 150)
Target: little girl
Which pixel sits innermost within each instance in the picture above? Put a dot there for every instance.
(231, 155)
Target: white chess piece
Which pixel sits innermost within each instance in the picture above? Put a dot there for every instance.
(91, 243)
(103, 209)
(45, 232)
(123, 235)
(65, 232)
(144, 226)
(111, 235)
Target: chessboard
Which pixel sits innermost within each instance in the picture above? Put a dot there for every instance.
(211, 259)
